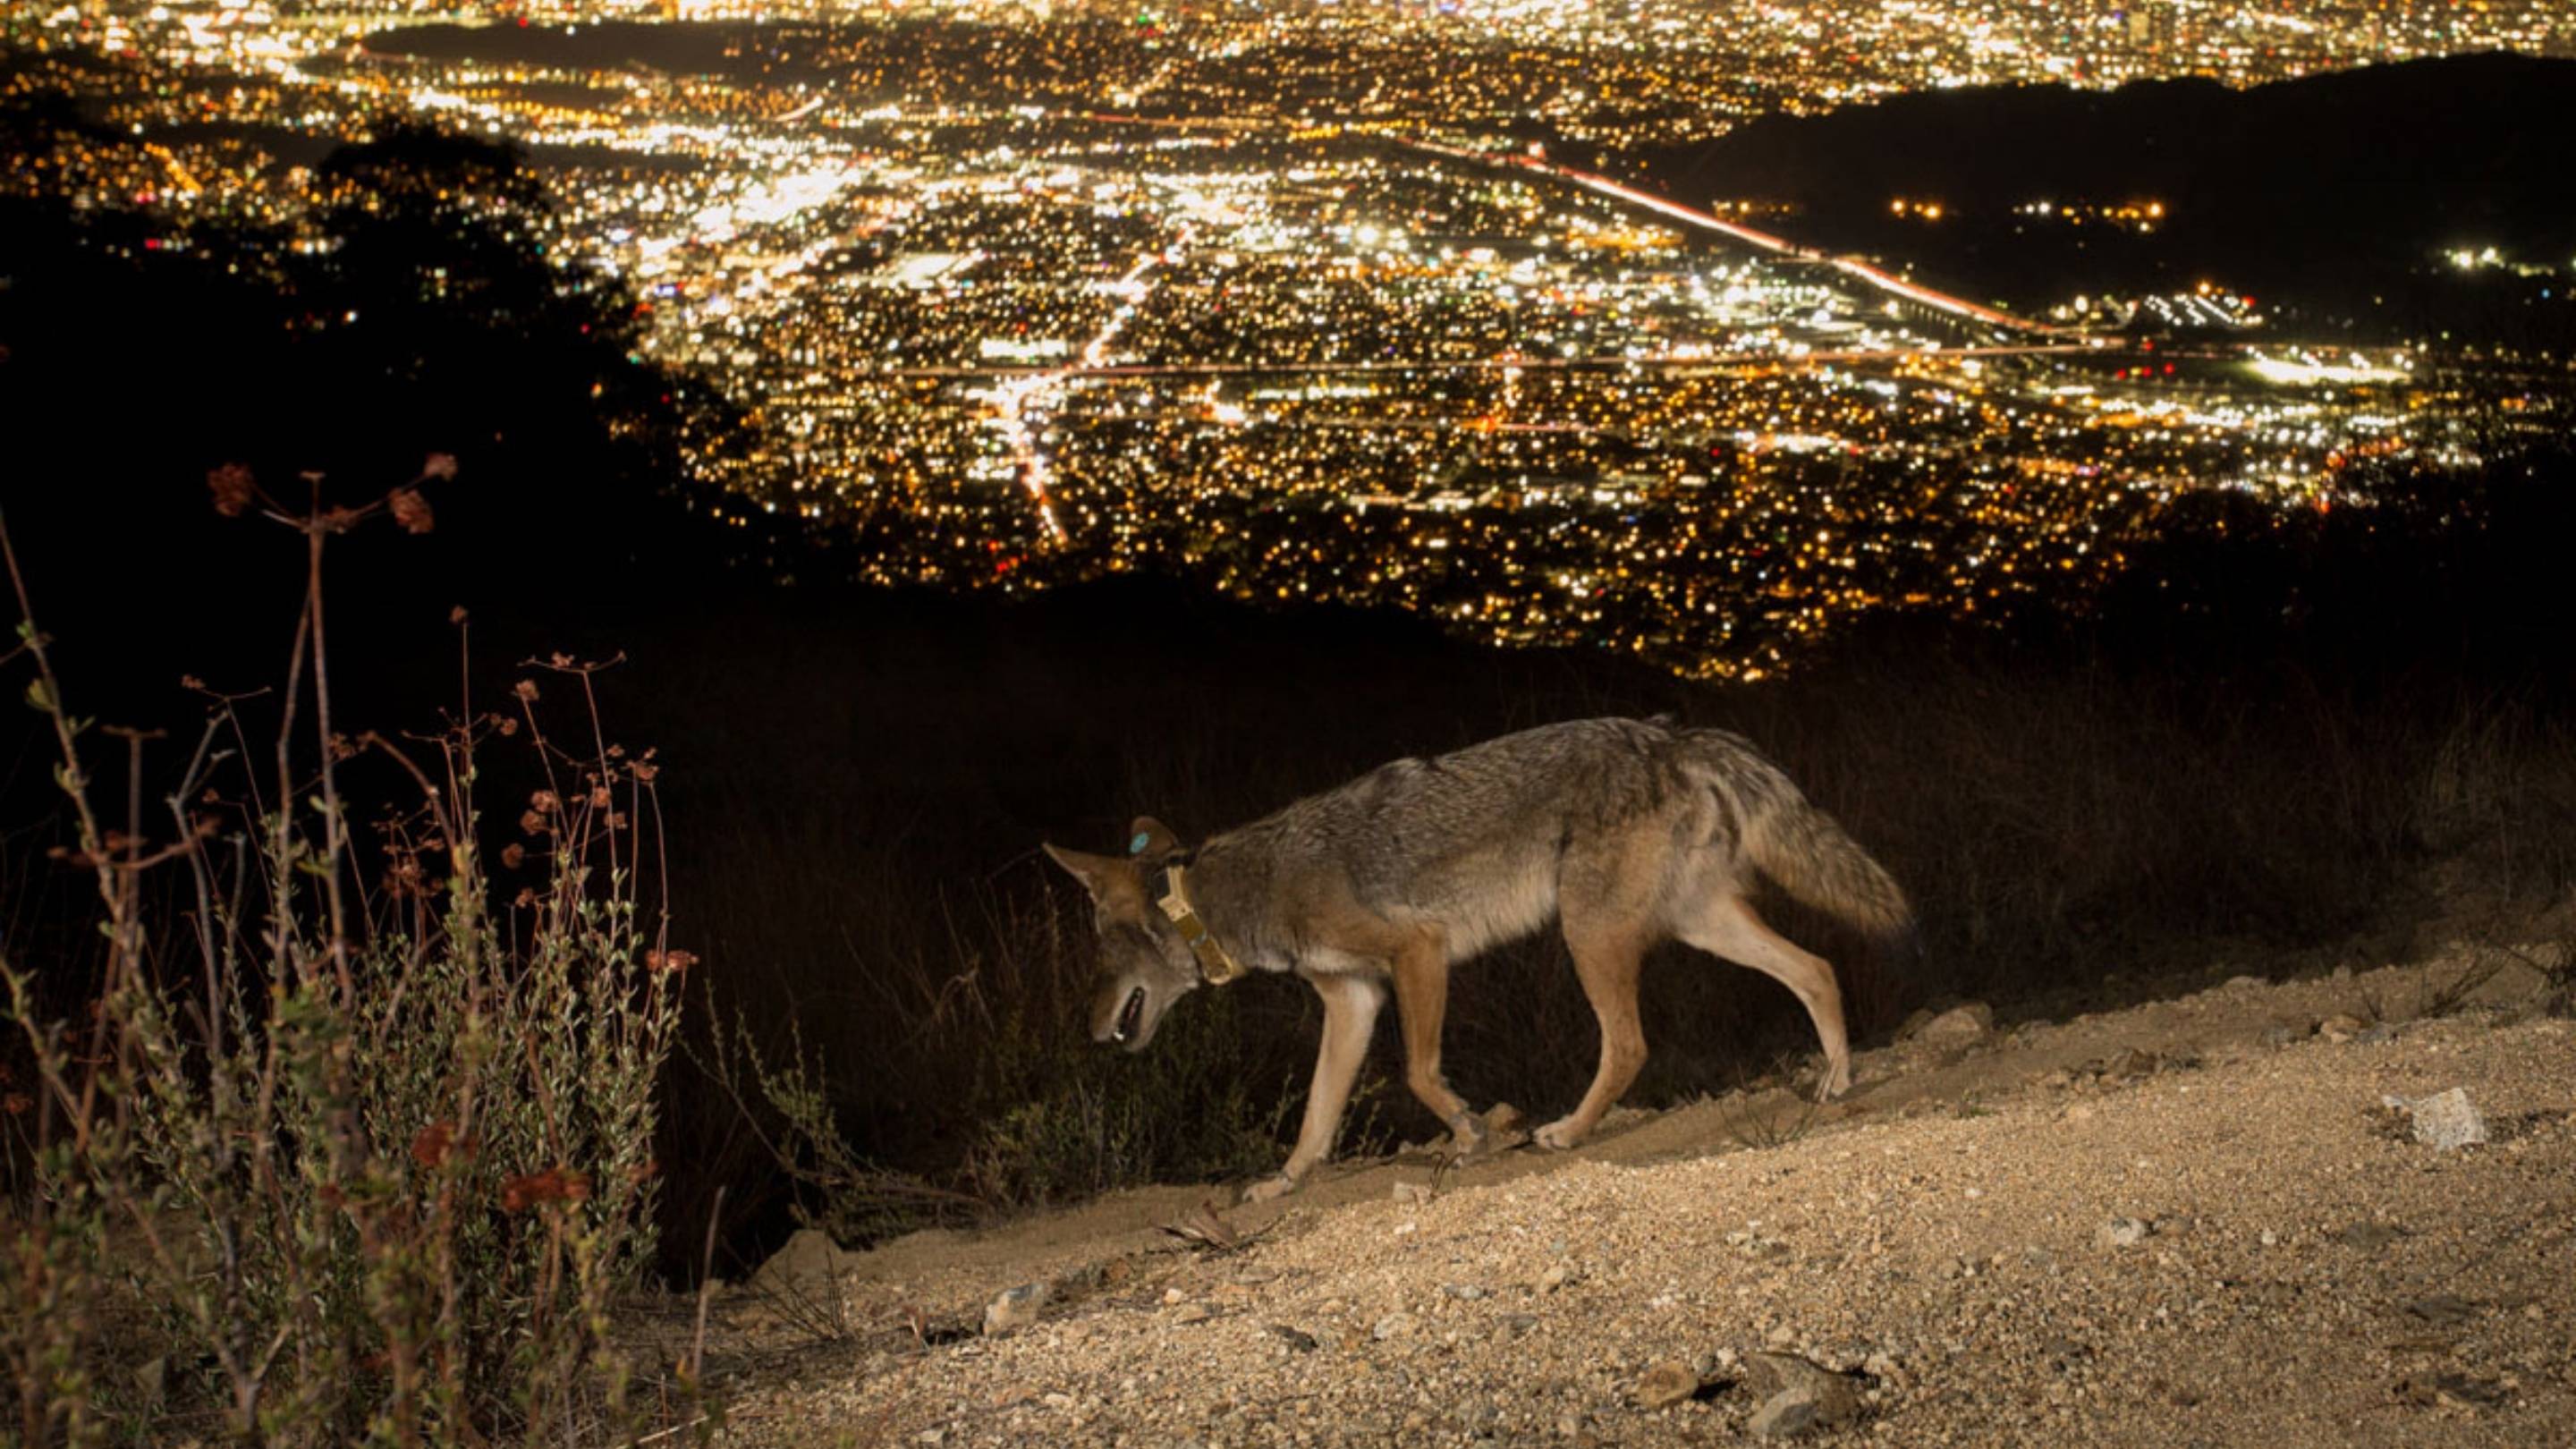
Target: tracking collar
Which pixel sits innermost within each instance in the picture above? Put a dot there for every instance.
(1215, 964)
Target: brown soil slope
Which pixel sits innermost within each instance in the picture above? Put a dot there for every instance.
(2189, 1223)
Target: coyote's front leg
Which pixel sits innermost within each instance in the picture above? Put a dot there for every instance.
(1421, 972)
(1351, 1005)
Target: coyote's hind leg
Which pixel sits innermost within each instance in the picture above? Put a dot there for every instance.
(1730, 928)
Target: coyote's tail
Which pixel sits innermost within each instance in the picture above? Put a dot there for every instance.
(1804, 851)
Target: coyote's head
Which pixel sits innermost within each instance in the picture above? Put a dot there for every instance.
(1145, 966)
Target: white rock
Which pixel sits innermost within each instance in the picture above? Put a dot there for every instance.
(1959, 1026)
(2444, 1120)
(1015, 1308)
(808, 1268)
(2121, 1233)
(1786, 1414)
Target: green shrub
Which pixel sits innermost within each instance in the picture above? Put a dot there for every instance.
(369, 1166)
(1072, 1119)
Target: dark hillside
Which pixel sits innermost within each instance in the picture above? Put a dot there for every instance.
(2336, 195)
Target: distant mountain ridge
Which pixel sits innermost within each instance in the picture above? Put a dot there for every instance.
(2326, 191)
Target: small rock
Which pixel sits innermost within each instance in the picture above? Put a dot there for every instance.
(2445, 1120)
(2129, 1062)
(1193, 1313)
(1504, 1129)
(1803, 1394)
(2385, 1031)
(1786, 1415)
(2340, 1027)
(2244, 983)
(1517, 1324)
(1666, 1384)
(1959, 1026)
(1411, 1192)
(2443, 1309)
(809, 1267)
(1297, 1339)
(2452, 1391)
(1015, 1308)
(1558, 1274)
(2286, 1034)
(1465, 1292)
(2370, 1237)
(2121, 1233)
(2340, 973)
(1394, 1325)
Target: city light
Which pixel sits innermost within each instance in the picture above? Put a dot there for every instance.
(1283, 298)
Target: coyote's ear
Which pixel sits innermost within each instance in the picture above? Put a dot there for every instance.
(1099, 874)
(1150, 840)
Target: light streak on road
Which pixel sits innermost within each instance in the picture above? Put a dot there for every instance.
(1024, 403)
(1759, 240)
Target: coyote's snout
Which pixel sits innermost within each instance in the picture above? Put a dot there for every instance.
(1624, 832)
(1145, 966)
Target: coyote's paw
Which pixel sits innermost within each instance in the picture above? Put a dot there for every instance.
(1269, 1188)
(1562, 1135)
(1835, 1082)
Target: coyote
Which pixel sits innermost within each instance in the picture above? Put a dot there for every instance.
(1625, 832)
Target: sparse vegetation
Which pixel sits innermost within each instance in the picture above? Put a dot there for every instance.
(338, 1145)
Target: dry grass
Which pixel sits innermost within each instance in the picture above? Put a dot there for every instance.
(324, 1144)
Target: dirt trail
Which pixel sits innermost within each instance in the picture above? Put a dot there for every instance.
(2186, 1223)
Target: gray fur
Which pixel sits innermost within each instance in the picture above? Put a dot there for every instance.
(1623, 832)
(1482, 840)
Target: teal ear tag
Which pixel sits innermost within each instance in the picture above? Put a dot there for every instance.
(1137, 845)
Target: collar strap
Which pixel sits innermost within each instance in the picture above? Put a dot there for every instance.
(1214, 963)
